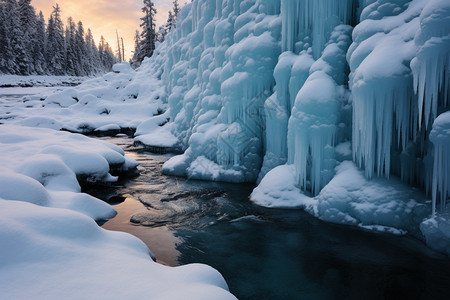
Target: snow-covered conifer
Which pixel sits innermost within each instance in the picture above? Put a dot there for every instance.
(55, 54)
(148, 34)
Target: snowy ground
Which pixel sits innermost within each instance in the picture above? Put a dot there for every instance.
(122, 100)
(39, 80)
(52, 247)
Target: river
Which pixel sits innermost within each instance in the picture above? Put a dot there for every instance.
(265, 253)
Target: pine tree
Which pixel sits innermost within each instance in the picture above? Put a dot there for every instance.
(93, 57)
(136, 59)
(106, 55)
(38, 47)
(70, 51)
(171, 21)
(82, 68)
(16, 61)
(148, 34)
(176, 10)
(55, 55)
(5, 46)
(28, 22)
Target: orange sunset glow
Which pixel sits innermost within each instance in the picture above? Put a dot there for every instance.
(103, 17)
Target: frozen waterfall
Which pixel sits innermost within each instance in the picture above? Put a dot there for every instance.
(255, 85)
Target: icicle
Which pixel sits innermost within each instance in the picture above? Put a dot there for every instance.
(431, 67)
(385, 110)
(313, 17)
(440, 136)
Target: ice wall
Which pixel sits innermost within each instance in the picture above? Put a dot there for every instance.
(310, 86)
(255, 84)
(219, 74)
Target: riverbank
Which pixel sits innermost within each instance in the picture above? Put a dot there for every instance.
(8, 81)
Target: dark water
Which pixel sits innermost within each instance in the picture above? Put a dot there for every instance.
(268, 253)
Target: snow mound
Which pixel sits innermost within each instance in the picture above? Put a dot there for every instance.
(76, 259)
(43, 166)
(278, 189)
(349, 198)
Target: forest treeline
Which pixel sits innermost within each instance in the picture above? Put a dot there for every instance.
(30, 45)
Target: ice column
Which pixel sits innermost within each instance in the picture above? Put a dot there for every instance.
(316, 113)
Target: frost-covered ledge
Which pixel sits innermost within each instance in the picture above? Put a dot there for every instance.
(52, 248)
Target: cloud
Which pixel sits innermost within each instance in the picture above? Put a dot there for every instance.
(103, 17)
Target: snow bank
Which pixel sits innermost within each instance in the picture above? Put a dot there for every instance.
(349, 198)
(56, 253)
(43, 166)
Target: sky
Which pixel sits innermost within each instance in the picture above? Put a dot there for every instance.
(103, 17)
